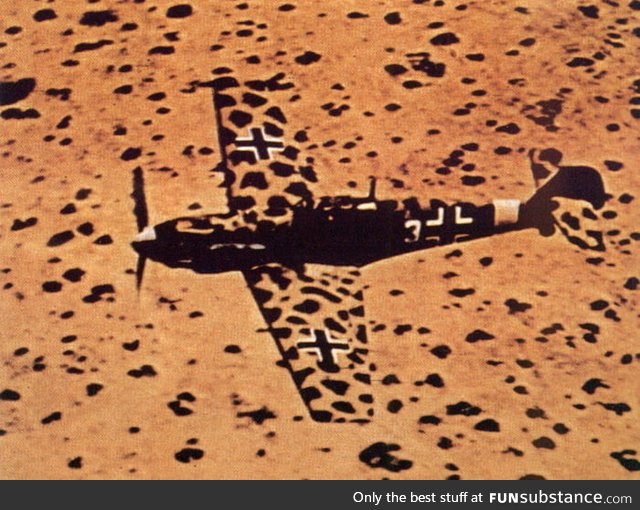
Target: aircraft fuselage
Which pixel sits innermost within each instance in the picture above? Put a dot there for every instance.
(336, 231)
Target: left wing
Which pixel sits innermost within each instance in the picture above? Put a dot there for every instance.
(317, 322)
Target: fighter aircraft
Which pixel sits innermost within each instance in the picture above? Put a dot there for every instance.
(317, 319)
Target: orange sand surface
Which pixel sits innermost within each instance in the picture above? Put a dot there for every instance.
(559, 378)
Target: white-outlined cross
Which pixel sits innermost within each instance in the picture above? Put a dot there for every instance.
(326, 348)
(460, 219)
(259, 143)
(436, 222)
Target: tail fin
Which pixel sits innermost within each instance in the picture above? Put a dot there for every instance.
(575, 182)
(566, 182)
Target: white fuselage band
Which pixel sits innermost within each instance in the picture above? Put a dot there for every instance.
(506, 212)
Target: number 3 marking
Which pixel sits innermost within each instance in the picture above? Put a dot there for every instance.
(414, 226)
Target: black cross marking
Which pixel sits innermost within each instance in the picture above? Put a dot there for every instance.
(259, 143)
(325, 347)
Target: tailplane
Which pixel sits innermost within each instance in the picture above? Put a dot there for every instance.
(550, 206)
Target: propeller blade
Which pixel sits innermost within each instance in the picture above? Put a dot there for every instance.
(142, 260)
(140, 203)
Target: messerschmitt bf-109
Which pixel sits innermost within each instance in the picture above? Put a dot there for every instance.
(317, 319)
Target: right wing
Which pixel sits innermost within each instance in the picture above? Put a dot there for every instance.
(262, 157)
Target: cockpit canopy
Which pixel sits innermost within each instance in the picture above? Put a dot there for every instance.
(346, 202)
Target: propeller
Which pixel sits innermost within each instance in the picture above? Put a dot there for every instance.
(142, 261)
(141, 213)
(140, 204)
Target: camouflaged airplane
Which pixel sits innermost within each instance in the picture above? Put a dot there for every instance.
(318, 320)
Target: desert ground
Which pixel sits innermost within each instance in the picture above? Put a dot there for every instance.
(514, 356)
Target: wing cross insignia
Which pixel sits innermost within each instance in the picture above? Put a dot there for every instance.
(325, 348)
(261, 144)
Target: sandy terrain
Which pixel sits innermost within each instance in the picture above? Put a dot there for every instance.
(91, 90)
